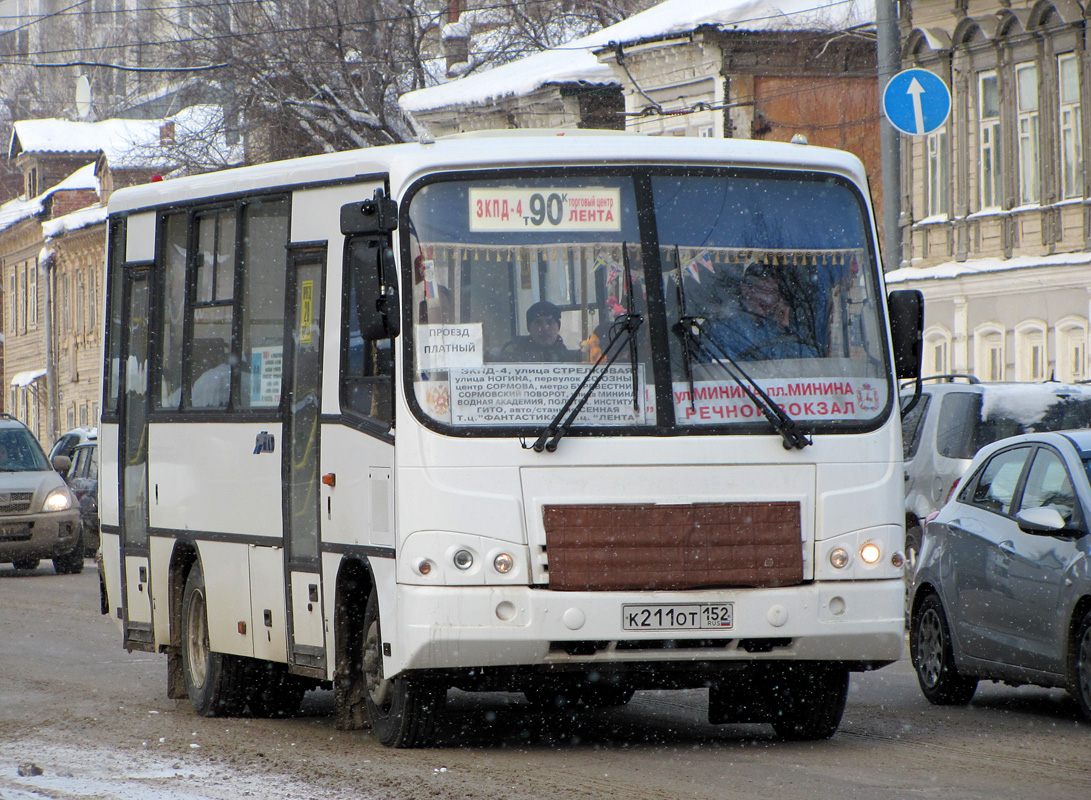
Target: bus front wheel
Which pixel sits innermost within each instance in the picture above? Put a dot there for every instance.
(215, 681)
(403, 711)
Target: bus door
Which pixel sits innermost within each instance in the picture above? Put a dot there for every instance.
(133, 458)
(306, 634)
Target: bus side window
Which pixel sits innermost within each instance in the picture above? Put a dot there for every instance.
(367, 369)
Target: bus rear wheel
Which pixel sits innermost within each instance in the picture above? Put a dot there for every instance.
(403, 711)
(272, 691)
(215, 681)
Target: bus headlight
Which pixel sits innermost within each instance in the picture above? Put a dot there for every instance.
(503, 563)
(839, 557)
(870, 553)
(463, 559)
(58, 500)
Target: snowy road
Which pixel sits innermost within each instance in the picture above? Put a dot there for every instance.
(80, 718)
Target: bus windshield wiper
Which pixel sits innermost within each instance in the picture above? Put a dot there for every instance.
(693, 334)
(622, 330)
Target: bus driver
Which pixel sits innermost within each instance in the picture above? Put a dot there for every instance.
(761, 327)
(544, 342)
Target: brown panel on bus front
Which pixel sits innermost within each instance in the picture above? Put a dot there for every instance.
(632, 547)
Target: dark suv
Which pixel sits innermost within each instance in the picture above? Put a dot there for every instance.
(957, 415)
(39, 516)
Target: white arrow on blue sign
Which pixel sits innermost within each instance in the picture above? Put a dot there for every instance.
(916, 101)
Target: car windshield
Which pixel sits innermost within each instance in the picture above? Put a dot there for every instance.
(520, 284)
(20, 452)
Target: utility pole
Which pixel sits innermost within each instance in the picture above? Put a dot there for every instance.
(889, 55)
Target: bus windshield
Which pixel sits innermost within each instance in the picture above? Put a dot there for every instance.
(700, 280)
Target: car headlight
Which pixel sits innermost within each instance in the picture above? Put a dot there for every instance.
(58, 500)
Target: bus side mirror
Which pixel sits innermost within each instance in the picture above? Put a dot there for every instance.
(377, 313)
(377, 215)
(906, 307)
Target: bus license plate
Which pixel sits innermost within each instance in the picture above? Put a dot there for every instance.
(678, 617)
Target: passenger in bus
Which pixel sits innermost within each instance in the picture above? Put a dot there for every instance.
(544, 342)
(761, 326)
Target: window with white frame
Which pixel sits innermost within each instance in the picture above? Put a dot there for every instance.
(989, 352)
(32, 296)
(14, 305)
(1031, 358)
(989, 139)
(1072, 349)
(938, 177)
(937, 351)
(1068, 79)
(1026, 90)
(22, 325)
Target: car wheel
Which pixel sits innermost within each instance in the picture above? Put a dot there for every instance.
(933, 657)
(215, 681)
(809, 701)
(403, 711)
(26, 563)
(1079, 666)
(71, 563)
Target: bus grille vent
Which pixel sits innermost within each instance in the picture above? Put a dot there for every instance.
(620, 547)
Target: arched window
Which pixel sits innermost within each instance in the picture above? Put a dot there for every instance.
(937, 349)
(1071, 339)
(1031, 356)
(989, 354)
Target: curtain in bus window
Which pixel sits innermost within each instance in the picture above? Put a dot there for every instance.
(264, 268)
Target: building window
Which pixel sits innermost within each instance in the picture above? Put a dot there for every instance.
(32, 297)
(1031, 359)
(989, 352)
(938, 179)
(989, 133)
(1068, 78)
(1026, 82)
(12, 316)
(936, 351)
(1072, 349)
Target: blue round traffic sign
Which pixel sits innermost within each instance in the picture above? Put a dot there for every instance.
(916, 101)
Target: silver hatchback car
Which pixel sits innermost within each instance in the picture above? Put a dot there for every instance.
(39, 516)
(1002, 588)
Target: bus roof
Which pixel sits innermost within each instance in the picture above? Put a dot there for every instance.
(486, 150)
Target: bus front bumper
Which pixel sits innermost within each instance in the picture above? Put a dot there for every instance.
(858, 622)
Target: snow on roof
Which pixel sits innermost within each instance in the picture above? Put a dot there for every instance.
(16, 210)
(576, 61)
(85, 217)
(126, 143)
(976, 266)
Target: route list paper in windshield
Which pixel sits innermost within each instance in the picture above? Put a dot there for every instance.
(535, 210)
(802, 399)
(522, 394)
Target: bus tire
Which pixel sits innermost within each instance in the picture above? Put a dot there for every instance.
(215, 682)
(26, 563)
(273, 691)
(809, 701)
(934, 658)
(403, 711)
